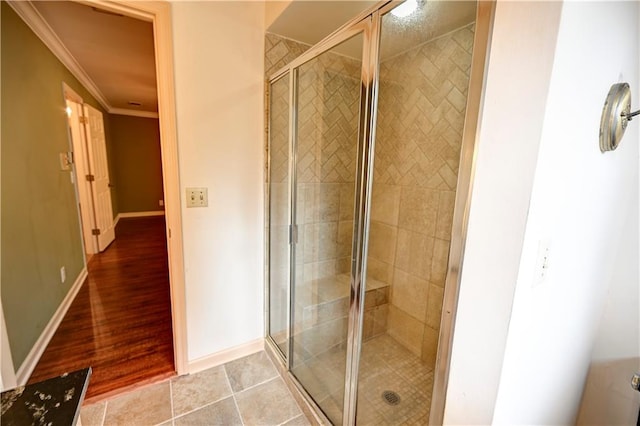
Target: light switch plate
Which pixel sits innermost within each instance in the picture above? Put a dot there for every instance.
(197, 197)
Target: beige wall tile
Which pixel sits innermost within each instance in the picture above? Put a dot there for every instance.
(320, 242)
(347, 192)
(279, 203)
(380, 319)
(414, 253)
(418, 210)
(448, 176)
(434, 306)
(379, 270)
(345, 237)
(367, 324)
(322, 203)
(430, 346)
(382, 241)
(385, 204)
(403, 250)
(445, 215)
(382, 296)
(440, 262)
(409, 293)
(343, 265)
(319, 270)
(405, 329)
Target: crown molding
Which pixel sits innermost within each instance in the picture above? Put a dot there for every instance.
(133, 112)
(30, 15)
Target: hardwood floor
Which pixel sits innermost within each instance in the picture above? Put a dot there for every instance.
(120, 322)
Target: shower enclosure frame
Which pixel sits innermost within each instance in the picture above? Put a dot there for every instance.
(369, 24)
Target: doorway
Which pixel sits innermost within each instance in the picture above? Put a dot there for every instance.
(159, 15)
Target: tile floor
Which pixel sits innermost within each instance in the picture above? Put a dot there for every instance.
(247, 391)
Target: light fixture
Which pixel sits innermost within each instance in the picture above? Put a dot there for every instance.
(68, 110)
(405, 9)
(616, 115)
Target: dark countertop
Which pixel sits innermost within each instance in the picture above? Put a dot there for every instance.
(53, 402)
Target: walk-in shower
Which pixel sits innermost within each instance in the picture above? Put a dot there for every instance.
(370, 145)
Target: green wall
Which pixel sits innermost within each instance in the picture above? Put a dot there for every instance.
(138, 164)
(39, 218)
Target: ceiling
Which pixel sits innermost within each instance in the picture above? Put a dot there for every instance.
(116, 52)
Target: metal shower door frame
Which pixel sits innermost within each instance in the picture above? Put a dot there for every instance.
(369, 23)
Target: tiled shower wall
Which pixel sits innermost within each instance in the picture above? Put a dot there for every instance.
(328, 100)
(419, 132)
(421, 110)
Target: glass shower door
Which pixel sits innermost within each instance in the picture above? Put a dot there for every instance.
(279, 212)
(326, 124)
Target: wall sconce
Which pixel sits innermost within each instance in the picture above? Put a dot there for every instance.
(616, 114)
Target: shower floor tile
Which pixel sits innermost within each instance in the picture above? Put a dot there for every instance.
(385, 365)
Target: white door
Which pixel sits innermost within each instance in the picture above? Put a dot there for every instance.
(85, 198)
(98, 166)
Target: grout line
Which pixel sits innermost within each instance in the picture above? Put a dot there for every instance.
(288, 420)
(104, 413)
(173, 413)
(233, 394)
(203, 406)
(257, 384)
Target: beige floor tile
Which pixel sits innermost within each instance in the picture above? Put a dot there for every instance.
(93, 415)
(300, 420)
(267, 404)
(219, 413)
(196, 390)
(250, 371)
(147, 406)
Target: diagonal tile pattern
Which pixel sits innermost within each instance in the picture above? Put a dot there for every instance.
(421, 109)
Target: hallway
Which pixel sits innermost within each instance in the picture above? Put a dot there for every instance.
(120, 322)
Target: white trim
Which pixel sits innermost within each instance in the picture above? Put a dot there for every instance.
(139, 214)
(133, 112)
(30, 15)
(225, 356)
(29, 364)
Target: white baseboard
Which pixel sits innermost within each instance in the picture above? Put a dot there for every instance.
(28, 365)
(139, 214)
(225, 356)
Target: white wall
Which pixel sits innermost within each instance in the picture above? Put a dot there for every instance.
(517, 79)
(521, 348)
(608, 398)
(219, 67)
(579, 203)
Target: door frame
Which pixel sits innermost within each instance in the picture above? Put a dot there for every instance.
(80, 165)
(159, 14)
